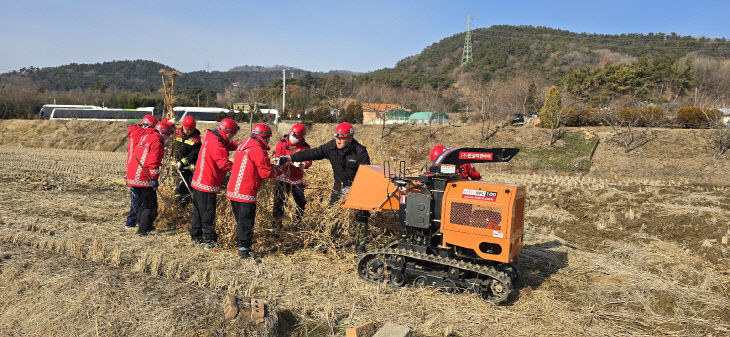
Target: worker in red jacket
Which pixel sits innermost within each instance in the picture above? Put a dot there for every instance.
(290, 179)
(135, 132)
(251, 164)
(210, 170)
(466, 170)
(144, 170)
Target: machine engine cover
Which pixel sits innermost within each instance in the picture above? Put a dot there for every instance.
(418, 210)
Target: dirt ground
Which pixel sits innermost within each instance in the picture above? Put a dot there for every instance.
(625, 255)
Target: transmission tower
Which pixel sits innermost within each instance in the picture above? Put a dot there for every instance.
(466, 54)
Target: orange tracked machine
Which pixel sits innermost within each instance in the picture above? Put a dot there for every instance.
(456, 234)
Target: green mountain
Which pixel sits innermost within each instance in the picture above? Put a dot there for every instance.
(142, 76)
(498, 52)
(505, 51)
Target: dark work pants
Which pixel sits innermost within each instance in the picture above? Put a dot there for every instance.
(203, 223)
(133, 206)
(245, 214)
(147, 211)
(183, 195)
(297, 191)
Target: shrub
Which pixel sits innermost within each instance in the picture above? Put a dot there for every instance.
(644, 116)
(550, 113)
(694, 117)
(652, 113)
(574, 116)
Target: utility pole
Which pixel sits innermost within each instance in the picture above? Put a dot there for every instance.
(283, 91)
(466, 54)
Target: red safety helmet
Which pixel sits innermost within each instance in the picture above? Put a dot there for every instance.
(436, 151)
(261, 131)
(228, 126)
(165, 128)
(298, 131)
(149, 120)
(188, 122)
(344, 130)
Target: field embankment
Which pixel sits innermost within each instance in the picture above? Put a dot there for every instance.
(671, 154)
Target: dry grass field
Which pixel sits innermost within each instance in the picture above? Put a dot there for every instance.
(622, 246)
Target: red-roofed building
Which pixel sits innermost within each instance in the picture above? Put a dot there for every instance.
(372, 112)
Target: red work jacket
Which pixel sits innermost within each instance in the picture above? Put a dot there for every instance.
(251, 164)
(291, 174)
(212, 163)
(149, 151)
(134, 133)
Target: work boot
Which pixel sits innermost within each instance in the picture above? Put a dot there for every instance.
(210, 245)
(196, 240)
(128, 227)
(244, 253)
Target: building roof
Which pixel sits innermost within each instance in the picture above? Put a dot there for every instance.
(426, 115)
(398, 113)
(381, 107)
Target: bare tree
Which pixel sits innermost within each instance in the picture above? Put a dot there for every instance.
(482, 97)
(376, 99)
(430, 100)
(631, 126)
(718, 137)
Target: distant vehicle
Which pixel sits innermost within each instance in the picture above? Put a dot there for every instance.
(211, 114)
(200, 114)
(517, 119)
(46, 110)
(92, 112)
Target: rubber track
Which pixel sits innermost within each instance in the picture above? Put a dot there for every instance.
(487, 271)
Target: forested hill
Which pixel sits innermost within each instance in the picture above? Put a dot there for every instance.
(142, 76)
(504, 51)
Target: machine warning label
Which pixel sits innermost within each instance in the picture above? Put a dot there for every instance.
(475, 155)
(478, 195)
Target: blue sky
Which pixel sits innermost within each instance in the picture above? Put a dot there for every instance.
(314, 35)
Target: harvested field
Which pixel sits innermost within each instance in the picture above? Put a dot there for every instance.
(631, 255)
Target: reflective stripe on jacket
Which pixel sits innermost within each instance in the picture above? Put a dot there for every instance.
(149, 151)
(212, 163)
(251, 164)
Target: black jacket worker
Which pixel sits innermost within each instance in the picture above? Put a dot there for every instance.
(187, 146)
(345, 155)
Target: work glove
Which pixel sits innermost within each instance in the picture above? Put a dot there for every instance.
(298, 164)
(154, 184)
(179, 164)
(282, 160)
(190, 167)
